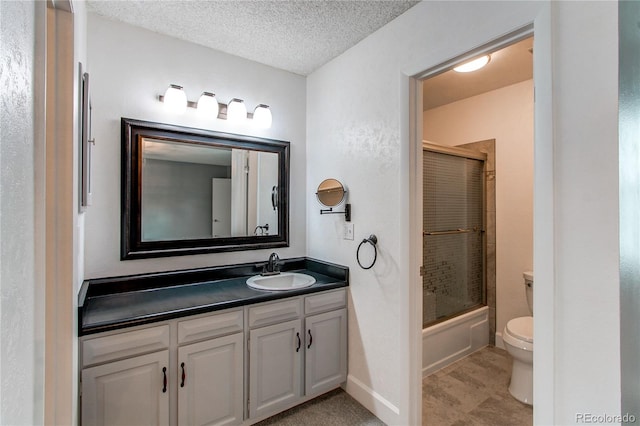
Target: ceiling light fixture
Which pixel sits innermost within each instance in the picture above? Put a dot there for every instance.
(473, 65)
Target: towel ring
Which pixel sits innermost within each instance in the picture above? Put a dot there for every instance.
(373, 240)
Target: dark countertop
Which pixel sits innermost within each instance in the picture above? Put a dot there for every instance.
(119, 302)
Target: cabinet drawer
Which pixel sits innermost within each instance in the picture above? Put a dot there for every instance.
(210, 326)
(270, 313)
(325, 301)
(124, 345)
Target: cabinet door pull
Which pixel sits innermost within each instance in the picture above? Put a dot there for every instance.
(299, 342)
(183, 375)
(310, 339)
(164, 379)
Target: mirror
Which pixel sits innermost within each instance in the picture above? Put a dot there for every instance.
(330, 192)
(188, 191)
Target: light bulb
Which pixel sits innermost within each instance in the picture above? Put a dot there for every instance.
(208, 105)
(474, 65)
(236, 111)
(262, 116)
(175, 100)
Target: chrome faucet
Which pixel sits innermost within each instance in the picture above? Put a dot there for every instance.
(272, 267)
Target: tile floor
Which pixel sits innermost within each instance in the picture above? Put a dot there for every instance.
(472, 391)
(336, 408)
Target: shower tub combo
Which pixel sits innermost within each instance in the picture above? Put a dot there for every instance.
(456, 320)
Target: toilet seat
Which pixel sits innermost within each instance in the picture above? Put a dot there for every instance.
(519, 333)
(522, 328)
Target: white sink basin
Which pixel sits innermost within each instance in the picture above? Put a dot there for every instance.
(281, 282)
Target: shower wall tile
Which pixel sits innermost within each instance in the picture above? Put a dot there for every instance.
(490, 204)
(492, 326)
(489, 147)
(428, 307)
(491, 227)
(450, 261)
(490, 266)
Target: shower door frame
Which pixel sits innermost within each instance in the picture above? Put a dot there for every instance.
(473, 155)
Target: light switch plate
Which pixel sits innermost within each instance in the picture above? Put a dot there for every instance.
(348, 231)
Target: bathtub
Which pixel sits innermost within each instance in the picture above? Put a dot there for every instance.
(448, 341)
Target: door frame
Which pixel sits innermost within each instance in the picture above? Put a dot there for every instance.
(58, 249)
(544, 248)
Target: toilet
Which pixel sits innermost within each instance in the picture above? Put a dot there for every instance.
(518, 340)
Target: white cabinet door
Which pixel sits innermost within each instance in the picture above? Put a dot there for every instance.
(326, 351)
(210, 382)
(133, 391)
(275, 369)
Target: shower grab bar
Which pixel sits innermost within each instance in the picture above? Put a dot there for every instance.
(453, 231)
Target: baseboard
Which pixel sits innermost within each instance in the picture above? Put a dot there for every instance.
(373, 401)
(499, 341)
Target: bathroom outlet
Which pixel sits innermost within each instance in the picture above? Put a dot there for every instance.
(348, 231)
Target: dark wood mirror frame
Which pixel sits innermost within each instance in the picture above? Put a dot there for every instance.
(132, 244)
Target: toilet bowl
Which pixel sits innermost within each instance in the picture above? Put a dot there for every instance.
(518, 340)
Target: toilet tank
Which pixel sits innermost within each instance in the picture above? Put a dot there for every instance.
(528, 282)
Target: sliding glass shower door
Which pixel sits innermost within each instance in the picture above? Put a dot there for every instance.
(453, 235)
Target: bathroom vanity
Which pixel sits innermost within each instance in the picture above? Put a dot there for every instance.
(202, 347)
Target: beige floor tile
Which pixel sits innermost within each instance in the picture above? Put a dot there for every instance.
(474, 391)
(335, 408)
(470, 392)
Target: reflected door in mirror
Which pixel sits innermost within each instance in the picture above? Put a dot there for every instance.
(220, 207)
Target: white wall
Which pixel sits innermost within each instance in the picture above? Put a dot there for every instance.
(39, 334)
(586, 215)
(21, 289)
(358, 132)
(129, 68)
(505, 115)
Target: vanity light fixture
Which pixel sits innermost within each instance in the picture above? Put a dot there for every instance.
(175, 100)
(262, 116)
(236, 111)
(473, 65)
(208, 105)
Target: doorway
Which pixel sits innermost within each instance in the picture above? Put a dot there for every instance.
(453, 116)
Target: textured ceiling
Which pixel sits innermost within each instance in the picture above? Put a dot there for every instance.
(297, 36)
